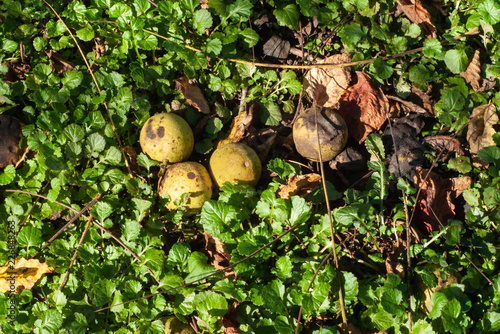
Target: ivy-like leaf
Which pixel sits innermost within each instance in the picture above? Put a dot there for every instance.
(288, 16)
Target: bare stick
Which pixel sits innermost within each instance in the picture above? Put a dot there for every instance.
(308, 288)
(87, 207)
(76, 251)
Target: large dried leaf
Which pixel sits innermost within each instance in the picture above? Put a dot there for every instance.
(326, 85)
(440, 142)
(363, 107)
(473, 75)
(26, 273)
(435, 201)
(418, 14)
(192, 93)
(480, 132)
(299, 185)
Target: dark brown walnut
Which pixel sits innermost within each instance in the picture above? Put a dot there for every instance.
(331, 130)
(10, 135)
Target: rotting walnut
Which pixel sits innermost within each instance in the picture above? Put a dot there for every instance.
(322, 123)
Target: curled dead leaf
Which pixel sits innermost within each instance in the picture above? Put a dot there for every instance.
(445, 142)
(326, 85)
(299, 185)
(240, 124)
(363, 107)
(480, 132)
(414, 10)
(435, 202)
(219, 257)
(24, 274)
(192, 93)
(473, 75)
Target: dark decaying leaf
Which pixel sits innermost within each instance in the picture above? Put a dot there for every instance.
(192, 93)
(58, 64)
(480, 132)
(277, 48)
(230, 320)
(349, 160)
(424, 99)
(10, 135)
(448, 143)
(218, 255)
(17, 70)
(404, 150)
(473, 75)
(326, 86)
(262, 141)
(435, 201)
(418, 14)
(363, 107)
(299, 185)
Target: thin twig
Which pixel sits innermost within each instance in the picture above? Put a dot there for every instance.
(458, 248)
(308, 288)
(334, 246)
(117, 137)
(76, 252)
(87, 207)
(348, 64)
(29, 211)
(93, 222)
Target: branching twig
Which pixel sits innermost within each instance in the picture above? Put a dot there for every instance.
(207, 276)
(76, 252)
(87, 207)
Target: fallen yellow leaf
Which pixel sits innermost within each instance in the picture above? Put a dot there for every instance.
(23, 275)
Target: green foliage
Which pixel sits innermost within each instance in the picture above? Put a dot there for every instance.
(276, 245)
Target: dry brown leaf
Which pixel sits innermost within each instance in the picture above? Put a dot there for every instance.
(192, 93)
(230, 320)
(10, 135)
(419, 15)
(435, 201)
(58, 64)
(473, 75)
(299, 185)
(445, 142)
(363, 107)
(99, 48)
(480, 132)
(219, 257)
(424, 99)
(240, 124)
(16, 71)
(24, 274)
(326, 86)
(408, 106)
